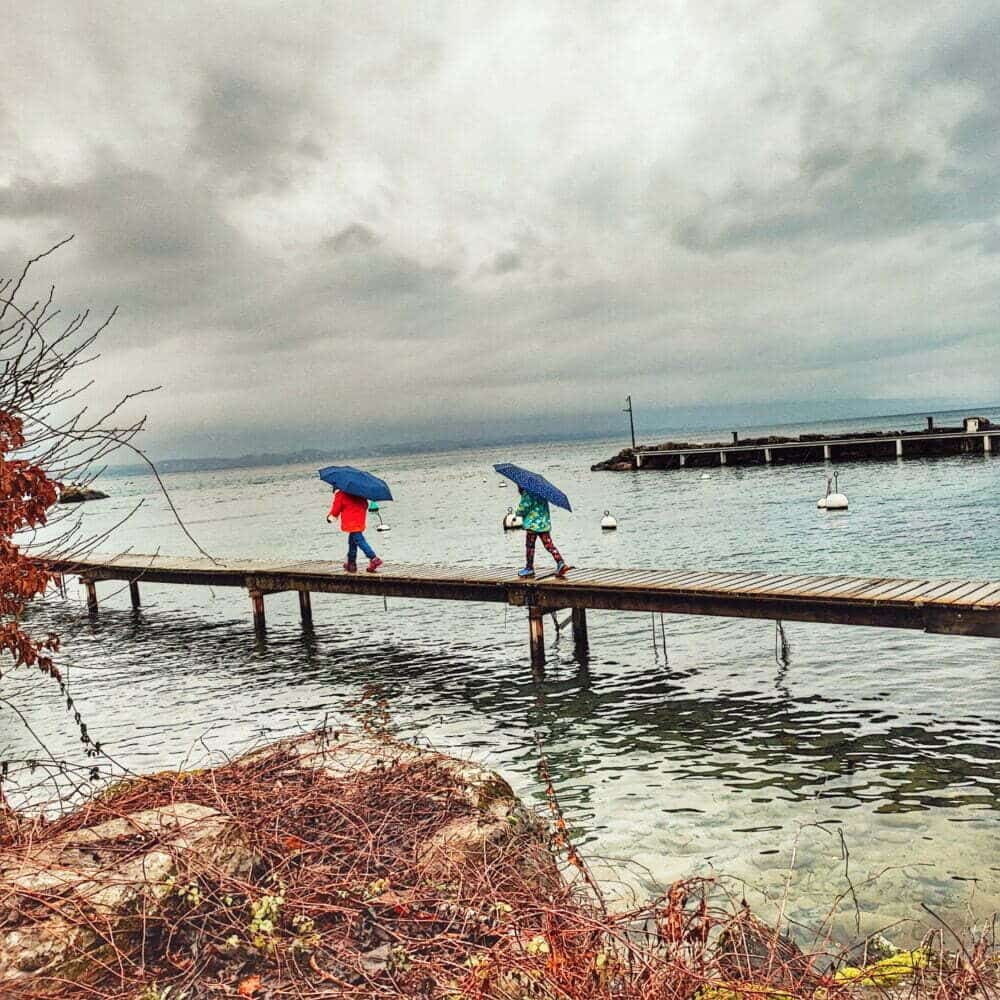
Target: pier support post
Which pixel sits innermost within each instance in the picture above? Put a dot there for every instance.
(767, 455)
(722, 458)
(257, 603)
(683, 459)
(638, 460)
(899, 447)
(826, 453)
(91, 594)
(133, 592)
(581, 641)
(305, 608)
(987, 444)
(536, 629)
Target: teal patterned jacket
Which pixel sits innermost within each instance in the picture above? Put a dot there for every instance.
(534, 511)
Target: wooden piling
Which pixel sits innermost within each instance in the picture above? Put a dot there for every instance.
(91, 594)
(257, 603)
(133, 591)
(536, 631)
(305, 608)
(581, 641)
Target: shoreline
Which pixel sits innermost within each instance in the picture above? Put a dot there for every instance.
(351, 861)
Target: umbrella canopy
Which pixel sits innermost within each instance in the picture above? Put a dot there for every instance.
(356, 482)
(532, 482)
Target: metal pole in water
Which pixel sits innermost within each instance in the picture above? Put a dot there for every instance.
(631, 421)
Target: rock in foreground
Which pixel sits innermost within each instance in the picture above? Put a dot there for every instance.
(301, 855)
(341, 865)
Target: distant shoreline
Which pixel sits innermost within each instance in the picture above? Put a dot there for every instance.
(697, 427)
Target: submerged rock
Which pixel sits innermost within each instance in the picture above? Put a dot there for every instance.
(750, 950)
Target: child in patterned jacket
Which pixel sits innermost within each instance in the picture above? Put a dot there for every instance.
(534, 512)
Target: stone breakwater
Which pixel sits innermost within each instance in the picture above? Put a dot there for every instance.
(977, 436)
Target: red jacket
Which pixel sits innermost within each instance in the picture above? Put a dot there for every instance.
(352, 511)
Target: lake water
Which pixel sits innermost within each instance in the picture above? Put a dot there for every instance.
(714, 759)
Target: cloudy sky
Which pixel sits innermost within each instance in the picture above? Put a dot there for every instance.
(427, 218)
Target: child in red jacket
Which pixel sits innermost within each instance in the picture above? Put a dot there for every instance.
(353, 513)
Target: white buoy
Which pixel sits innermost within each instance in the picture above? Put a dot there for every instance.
(511, 521)
(833, 500)
(608, 523)
(382, 527)
(503, 484)
(705, 475)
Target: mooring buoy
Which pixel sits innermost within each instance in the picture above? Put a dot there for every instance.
(608, 523)
(833, 500)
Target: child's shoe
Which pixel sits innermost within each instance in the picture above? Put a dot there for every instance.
(562, 568)
(351, 567)
(374, 565)
(526, 572)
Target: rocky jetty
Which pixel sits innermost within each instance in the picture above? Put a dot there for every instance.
(79, 494)
(624, 461)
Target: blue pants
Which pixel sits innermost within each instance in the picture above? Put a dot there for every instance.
(355, 541)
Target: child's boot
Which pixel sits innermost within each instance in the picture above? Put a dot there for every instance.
(374, 565)
(562, 567)
(351, 567)
(526, 572)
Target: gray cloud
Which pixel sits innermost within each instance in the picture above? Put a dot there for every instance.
(487, 213)
(354, 238)
(250, 132)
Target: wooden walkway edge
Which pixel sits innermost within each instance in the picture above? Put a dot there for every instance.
(952, 607)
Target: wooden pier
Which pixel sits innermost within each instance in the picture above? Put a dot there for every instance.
(953, 607)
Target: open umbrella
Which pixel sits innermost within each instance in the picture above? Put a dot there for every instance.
(356, 482)
(532, 482)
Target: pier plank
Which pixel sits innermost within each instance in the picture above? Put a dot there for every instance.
(988, 594)
(958, 596)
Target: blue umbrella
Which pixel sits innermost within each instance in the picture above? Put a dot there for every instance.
(532, 482)
(355, 482)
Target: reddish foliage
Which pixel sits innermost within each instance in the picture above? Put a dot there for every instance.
(26, 494)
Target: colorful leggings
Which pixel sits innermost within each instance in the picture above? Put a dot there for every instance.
(529, 547)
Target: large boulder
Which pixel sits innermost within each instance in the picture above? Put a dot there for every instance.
(73, 902)
(496, 812)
